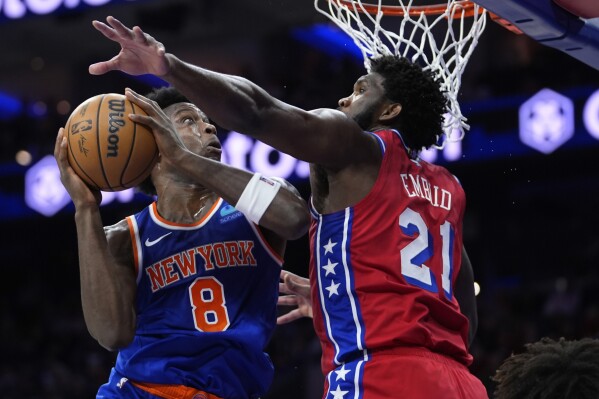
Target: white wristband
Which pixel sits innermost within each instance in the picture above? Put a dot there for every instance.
(257, 196)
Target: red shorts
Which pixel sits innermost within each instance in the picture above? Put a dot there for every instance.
(411, 373)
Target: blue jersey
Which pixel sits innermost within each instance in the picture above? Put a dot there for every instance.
(206, 303)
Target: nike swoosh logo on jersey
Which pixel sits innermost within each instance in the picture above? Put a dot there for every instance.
(150, 243)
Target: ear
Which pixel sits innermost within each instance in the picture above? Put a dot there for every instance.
(390, 112)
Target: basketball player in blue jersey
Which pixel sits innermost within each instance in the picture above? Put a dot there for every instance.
(186, 290)
(391, 287)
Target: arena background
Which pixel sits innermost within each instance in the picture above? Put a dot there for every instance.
(532, 217)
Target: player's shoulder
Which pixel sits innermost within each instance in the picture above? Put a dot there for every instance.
(117, 231)
(443, 170)
(119, 240)
(392, 138)
(335, 119)
(327, 113)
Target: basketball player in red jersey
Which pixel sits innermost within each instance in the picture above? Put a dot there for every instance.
(392, 289)
(186, 289)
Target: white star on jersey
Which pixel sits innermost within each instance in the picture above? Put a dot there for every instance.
(341, 373)
(330, 267)
(338, 393)
(332, 288)
(329, 247)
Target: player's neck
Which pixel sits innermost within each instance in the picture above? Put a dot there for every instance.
(185, 206)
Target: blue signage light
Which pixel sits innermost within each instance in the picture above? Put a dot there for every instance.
(10, 107)
(329, 39)
(44, 192)
(17, 9)
(546, 121)
(590, 115)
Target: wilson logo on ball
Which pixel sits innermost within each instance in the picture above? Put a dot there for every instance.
(105, 148)
(115, 122)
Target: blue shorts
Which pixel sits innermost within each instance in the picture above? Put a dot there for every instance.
(120, 387)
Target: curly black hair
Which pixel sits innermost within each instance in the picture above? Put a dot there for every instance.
(419, 93)
(164, 97)
(549, 369)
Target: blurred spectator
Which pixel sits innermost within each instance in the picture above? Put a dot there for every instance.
(549, 369)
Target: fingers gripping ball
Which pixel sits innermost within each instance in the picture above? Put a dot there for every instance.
(105, 148)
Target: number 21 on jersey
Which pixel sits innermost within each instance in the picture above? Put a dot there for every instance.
(420, 250)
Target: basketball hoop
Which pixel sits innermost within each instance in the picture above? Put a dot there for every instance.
(413, 32)
(401, 10)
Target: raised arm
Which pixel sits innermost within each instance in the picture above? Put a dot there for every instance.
(464, 293)
(105, 264)
(326, 137)
(322, 136)
(287, 214)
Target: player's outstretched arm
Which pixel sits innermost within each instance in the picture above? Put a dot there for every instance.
(326, 137)
(107, 281)
(464, 293)
(286, 213)
(140, 53)
(297, 293)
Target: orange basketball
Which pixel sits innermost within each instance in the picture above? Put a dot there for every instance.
(105, 148)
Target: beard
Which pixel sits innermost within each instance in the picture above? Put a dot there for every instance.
(365, 119)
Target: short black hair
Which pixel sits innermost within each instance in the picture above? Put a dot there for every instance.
(549, 369)
(167, 96)
(419, 93)
(164, 97)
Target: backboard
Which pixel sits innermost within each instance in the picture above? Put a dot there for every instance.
(571, 26)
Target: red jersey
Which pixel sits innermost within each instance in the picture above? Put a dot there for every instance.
(382, 272)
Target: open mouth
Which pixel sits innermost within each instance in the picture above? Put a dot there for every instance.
(214, 148)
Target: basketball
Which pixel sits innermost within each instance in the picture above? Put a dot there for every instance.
(105, 148)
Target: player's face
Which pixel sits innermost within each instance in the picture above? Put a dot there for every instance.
(195, 130)
(366, 102)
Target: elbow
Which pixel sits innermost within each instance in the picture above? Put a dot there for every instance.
(298, 223)
(115, 343)
(289, 217)
(114, 339)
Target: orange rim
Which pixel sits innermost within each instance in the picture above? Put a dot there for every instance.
(398, 11)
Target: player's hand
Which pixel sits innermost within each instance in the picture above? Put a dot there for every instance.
(297, 290)
(168, 141)
(140, 53)
(80, 193)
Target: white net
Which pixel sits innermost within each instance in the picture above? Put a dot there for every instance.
(442, 43)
